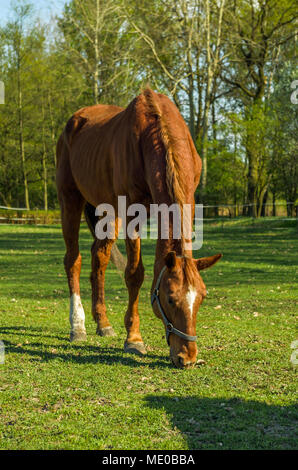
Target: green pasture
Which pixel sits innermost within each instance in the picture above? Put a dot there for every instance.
(57, 395)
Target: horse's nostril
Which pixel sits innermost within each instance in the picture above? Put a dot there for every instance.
(184, 364)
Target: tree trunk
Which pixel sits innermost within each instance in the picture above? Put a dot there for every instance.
(273, 204)
(260, 199)
(5, 199)
(21, 143)
(44, 162)
(212, 65)
(53, 137)
(234, 181)
(213, 114)
(96, 56)
(45, 182)
(252, 178)
(191, 111)
(207, 106)
(289, 209)
(263, 211)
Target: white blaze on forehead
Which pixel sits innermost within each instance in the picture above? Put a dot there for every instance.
(191, 297)
(76, 313)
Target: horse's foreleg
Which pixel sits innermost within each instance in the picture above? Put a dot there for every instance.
(134, 277)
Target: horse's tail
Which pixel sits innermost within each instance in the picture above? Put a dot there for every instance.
(116, 256)
(90, 217)
(73, 125)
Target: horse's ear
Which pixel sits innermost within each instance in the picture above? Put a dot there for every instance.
(170, 260)
(204, 263)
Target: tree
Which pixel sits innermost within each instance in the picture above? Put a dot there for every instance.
(95, 36)
(19, 50)
(256, 29)
(283, 136)
(184, 43)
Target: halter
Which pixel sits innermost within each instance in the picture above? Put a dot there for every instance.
(169, 327)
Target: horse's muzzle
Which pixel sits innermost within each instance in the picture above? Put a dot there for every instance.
(182, 363)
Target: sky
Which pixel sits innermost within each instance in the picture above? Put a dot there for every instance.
(42, 8)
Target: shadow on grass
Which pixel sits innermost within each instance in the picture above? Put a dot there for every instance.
(219, 423)
(29, 331)
(75, 353)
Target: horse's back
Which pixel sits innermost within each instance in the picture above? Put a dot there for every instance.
(98, 113)
(114, 151)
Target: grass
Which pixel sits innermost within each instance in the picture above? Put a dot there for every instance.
(57, 395)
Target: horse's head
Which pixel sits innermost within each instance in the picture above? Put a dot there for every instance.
(176, 297)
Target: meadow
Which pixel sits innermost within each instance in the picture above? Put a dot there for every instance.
(58, 395)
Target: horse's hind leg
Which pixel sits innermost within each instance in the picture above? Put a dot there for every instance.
(134, 277)
(101, 252)
(72, 204)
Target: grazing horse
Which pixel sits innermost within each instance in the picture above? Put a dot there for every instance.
(144, 152)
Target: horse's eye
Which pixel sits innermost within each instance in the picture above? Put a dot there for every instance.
(171, 301)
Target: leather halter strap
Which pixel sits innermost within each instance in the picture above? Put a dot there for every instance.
(169, 327)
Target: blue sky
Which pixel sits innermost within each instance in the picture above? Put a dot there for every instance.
(42, 8)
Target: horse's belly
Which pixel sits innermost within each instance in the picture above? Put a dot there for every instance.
(93, 177)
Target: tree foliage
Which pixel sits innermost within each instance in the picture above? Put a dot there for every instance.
(227, 64)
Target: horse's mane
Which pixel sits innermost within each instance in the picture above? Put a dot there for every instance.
(173, 168)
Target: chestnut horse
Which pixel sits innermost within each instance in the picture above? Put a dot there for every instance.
(144, 152)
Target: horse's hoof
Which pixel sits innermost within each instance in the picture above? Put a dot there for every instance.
(107, 331)
(135, 348)
(78, 336)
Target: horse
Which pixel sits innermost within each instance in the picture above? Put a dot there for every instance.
(143, 152)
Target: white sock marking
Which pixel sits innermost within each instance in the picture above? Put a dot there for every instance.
(76, 313)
